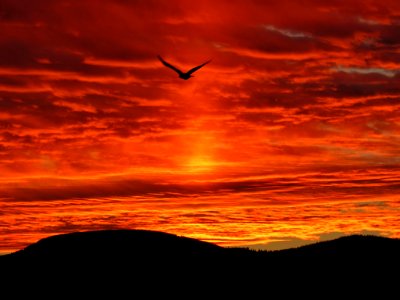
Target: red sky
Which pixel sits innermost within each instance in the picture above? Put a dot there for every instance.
(291, 133)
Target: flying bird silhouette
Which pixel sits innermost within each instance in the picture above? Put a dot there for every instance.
(181, 74)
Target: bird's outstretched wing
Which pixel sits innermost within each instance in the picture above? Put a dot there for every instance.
(168, 65)
(191, 71)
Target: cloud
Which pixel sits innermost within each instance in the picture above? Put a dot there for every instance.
(294, 121)
(384, 72)
(286, 32)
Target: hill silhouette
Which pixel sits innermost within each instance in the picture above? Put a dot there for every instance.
(130, 245)
(141, 256)
(116, 243)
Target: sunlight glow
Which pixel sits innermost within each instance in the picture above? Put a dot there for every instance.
(200, 164)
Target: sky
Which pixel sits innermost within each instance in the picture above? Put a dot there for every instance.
(291, 133)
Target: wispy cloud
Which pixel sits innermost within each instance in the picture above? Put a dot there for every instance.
(287, 32)
(358, 70)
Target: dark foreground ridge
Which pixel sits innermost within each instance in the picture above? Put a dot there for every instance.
(116, 244)
(143, 245)
(159, 257)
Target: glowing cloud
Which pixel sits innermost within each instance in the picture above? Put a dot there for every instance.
(290, 133)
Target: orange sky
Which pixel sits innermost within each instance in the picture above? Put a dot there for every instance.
(290, 133)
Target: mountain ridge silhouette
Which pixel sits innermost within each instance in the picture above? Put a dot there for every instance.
(161, 245)
(151, 261)
(109, 242)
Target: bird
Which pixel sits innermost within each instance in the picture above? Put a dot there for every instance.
(182, 75)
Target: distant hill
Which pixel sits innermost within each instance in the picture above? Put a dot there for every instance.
(352, 247)
(115, 243)
(158, 257)
(127, 244)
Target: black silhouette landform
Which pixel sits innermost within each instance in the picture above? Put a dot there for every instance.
(181, 74)
(139, 245)
(139, 257)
